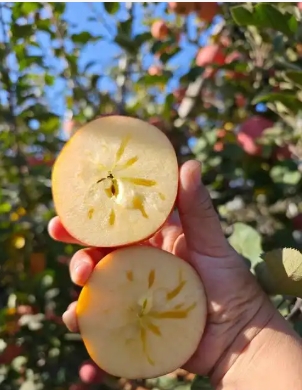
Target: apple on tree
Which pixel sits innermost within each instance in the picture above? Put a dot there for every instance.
(159, 30)
(250, 131)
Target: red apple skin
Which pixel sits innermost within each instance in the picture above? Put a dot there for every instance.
(36, 161)
(10, 353)
(240, 100)
(90, 373)
(157, 122)
(219, 146)
(282, 153)
(179, 94)
(210, 55)
(155, 70)
(181, 8)
(250, 130)
(79, 386)
(297, 222)
(206, 11)
(159, 30)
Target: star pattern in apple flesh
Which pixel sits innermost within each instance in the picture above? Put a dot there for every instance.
(146, 315)
(113, 190)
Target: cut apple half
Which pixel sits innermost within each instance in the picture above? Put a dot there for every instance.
(142, 312)
(115, 181)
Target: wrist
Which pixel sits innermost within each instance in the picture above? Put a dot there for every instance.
(265, 339)
(259, 315)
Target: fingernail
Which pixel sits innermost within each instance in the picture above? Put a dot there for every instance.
(196, 174)
(82, 272)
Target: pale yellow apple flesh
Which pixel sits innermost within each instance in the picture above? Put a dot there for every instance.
(115, 181)
(142, 313)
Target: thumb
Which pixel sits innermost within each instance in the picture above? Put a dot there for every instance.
(200, 222)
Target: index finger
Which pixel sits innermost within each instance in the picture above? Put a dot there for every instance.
(58, 232)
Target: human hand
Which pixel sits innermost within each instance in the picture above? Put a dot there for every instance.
(237, 307)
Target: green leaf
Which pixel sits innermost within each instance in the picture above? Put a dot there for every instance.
(111, 8)
(125, 28)
(281, 272)
(246, 241)
(49, 79)
(265, 15)
(23, 31)
(295, 76)
(29, 60)
(84, 37)
(142, 38)
(287, 98)
(29, 7)
(285, 175)
(5, 208)
(126, 44)
(156, 80)
(201, 383)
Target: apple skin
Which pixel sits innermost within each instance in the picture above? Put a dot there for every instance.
(33, 161)
(179, 94)
(240, 100)
(297, 222)
(79, 386)
(90, 373)
(132, 242)
(249, 131)
(210, 55)
(154, 70)
(181, 8)
(10, 352)
(206, 11)
(282, 153)
(159, 30)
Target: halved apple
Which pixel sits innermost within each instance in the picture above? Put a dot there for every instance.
(142, 312)
(115, 181)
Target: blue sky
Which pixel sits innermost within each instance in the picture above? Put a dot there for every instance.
(105, 51)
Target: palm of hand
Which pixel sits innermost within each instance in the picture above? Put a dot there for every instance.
(233, 295)
(229, 287)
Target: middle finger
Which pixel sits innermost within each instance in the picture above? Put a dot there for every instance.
(83, 263)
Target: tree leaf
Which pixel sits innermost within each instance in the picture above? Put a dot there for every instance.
(111, 8)
(285, 175)
(84, 37)
(201, 383)
(28, 7)
(265, 15)
(289, 100)
(246, 241)
(281, 272)
(126, 43)
(23, 31)
(125, 28)
(295, 76)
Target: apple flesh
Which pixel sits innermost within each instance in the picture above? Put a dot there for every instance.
(115, 181)
(142, 312)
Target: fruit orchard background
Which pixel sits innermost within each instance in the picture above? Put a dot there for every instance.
(223, 81)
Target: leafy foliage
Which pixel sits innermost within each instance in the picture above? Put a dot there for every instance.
(50, 86)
